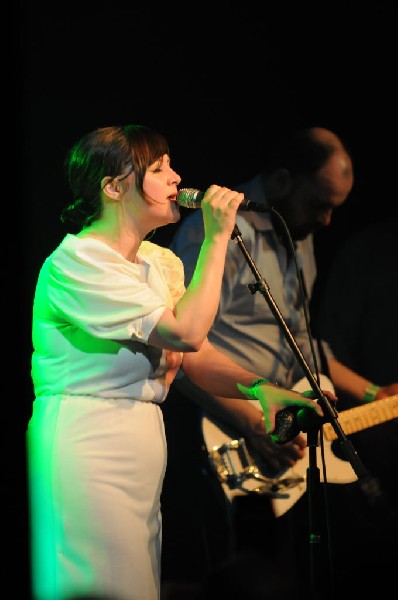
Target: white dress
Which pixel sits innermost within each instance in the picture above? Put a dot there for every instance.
(96, 443)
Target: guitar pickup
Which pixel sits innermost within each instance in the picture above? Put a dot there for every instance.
(236, 469)
(233, 463)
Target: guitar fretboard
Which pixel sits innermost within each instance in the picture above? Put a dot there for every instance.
(364, 416)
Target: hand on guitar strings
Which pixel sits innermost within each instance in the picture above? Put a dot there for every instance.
(272, 457)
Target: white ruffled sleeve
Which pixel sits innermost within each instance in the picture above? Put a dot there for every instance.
(95, 288)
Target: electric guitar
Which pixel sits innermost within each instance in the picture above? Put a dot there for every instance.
(239, 471)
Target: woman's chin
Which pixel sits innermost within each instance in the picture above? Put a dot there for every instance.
(176, 213)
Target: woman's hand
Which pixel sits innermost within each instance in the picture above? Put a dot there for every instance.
(219, 207)
(273, 399)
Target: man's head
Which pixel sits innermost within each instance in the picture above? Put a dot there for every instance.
(308, 177)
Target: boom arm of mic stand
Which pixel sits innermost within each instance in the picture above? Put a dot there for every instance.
(369, 484)
(329, 412)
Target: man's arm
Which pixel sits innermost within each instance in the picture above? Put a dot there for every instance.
(349, 382)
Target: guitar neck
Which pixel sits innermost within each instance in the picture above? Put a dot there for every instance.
(364, 416)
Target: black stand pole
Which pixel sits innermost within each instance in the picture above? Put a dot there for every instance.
(311, 426)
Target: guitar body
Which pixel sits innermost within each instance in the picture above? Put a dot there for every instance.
(241, 473)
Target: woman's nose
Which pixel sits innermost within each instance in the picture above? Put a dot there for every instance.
(175, 178)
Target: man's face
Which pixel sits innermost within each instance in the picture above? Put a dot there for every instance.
(312, 200)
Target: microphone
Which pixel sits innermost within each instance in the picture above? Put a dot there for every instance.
(291, 420)
(191, 198)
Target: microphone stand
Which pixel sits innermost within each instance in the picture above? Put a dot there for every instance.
(311, 426)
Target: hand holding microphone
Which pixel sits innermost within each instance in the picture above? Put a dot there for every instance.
(192, 198)
(219, 205)
(280, 407)
(292, 420)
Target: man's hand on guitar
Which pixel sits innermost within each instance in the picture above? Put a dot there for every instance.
(386, 391)
(272, 457)
(246, 419)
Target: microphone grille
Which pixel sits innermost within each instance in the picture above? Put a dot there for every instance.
(188, 197)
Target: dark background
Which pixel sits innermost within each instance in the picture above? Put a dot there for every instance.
(222, 81)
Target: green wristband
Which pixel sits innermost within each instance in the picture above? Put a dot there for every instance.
(254, 387)
(370, 392)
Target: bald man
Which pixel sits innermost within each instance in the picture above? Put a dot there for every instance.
(309, 176)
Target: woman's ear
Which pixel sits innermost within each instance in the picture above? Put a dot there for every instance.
(111, 188)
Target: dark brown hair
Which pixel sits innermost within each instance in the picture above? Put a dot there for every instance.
(107, 152)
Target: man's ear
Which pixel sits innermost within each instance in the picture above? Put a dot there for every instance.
(111, 188)
(281, 182)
